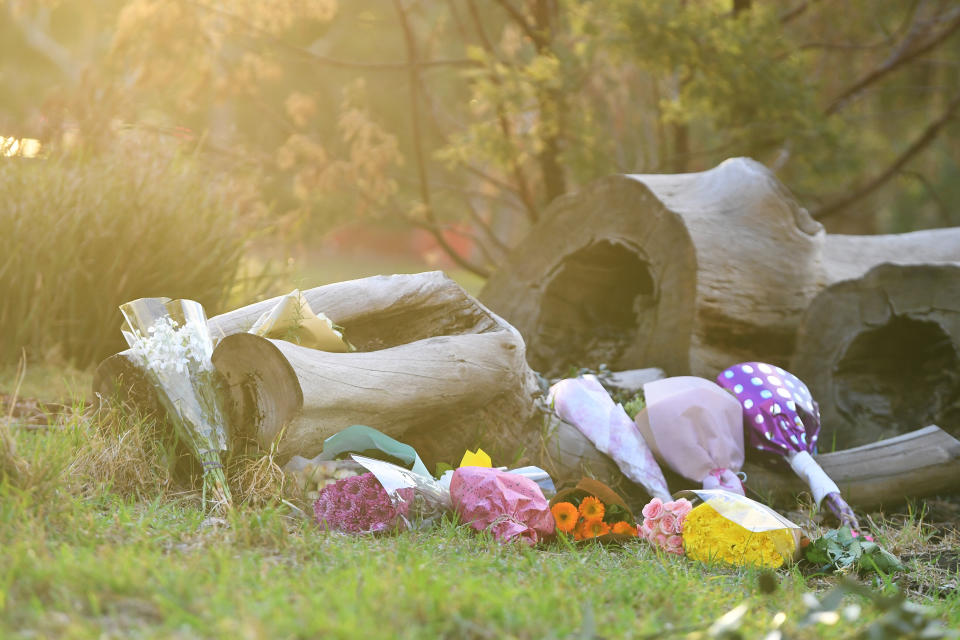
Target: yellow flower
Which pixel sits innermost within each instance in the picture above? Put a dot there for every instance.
(565, 515)
(709, 537)
(592, 528)
(624, 528)
(591, 508)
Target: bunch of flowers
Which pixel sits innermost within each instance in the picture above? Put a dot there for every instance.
(708, 536)
(589, 517)
(663, 523)
(170, 341)
(359, 504)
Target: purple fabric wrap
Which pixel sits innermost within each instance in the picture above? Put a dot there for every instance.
(778, 411)
(510, 506)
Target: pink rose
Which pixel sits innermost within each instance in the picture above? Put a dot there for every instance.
(680, 520)
(679, 507)
(653, 509)
(675, 544)
(650, 523)
(661, 540)
(645, 531)
(668, 524)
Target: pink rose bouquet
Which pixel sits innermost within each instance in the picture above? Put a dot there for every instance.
(663, 523)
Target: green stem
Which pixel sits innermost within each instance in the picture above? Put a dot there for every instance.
(216, 492)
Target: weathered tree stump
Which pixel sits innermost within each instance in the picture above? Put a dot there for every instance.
(433, 367)
(689, 272)
(881, 353)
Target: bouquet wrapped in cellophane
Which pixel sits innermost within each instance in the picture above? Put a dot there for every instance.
(385, 499)
(735, 530)
(171, 342)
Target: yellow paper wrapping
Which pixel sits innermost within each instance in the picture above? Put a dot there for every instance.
(478, 459)
(293, 319)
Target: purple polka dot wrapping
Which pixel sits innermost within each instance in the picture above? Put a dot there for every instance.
(782, 418)
(779, 414)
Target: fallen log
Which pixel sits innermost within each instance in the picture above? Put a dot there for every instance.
(916, 464)
(689, 272)
(881, 352)
(432, 366)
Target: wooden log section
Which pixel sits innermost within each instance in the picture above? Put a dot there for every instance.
(689, 272)
(916, 464)
(433, 367)
(881, 353)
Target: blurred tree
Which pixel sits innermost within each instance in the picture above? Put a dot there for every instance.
(468, 117)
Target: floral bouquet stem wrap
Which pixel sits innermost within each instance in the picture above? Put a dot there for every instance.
(171, 342)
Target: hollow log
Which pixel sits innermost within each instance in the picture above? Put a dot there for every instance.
(689, 272)
(915, 464)
(433, 367)
(881, 352)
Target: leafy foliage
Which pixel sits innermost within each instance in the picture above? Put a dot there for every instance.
(839, 549)
(465, 118)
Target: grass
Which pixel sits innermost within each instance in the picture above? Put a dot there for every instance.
(83, 234)
(100, 541)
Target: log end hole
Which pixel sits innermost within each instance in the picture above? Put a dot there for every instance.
(592, 308)
(901, 376)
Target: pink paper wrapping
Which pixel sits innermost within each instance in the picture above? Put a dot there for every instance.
(696, 428)
(584, 403)
(510, 506)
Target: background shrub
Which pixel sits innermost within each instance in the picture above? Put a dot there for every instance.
(80, 236)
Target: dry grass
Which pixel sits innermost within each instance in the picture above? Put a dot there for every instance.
(122, 450)
(255, 477)
(13, 467)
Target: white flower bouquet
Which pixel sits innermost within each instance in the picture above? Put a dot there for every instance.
(171, 342)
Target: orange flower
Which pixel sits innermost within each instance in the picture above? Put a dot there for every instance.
(566, 516)
(592, 528)
(624, 528)
(591, 508)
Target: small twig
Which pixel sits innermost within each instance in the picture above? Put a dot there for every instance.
(903, 54)
(431, 223)
(928, 136)
(521, 21)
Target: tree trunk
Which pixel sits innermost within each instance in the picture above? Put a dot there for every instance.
(881, 352)
(916, 464)
(690, 273)
(433, 367)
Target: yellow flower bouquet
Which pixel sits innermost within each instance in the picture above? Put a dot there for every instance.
(735, 530)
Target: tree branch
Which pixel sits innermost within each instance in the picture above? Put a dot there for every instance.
(35, 33)
(928, 136)
(902, 55)
(413, 70)
(326, 60)
(521, 20)
(796, 12)
(523, 186)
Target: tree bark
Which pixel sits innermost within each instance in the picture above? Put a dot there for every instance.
(690, 273)
(881, 352)
(433, 367)
(916, 464)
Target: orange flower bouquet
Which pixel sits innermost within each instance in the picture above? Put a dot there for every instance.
(592, 510)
